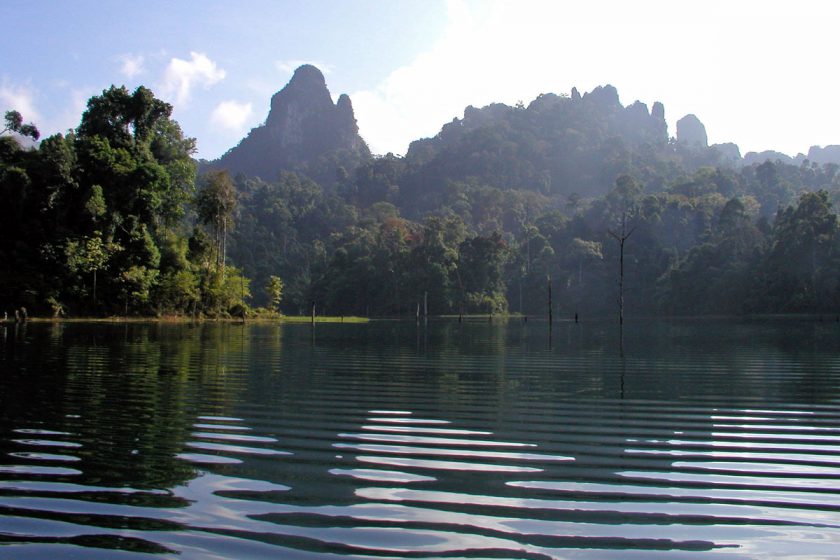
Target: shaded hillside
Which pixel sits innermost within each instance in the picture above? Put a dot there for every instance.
(304, 131)
(557, 145)
(557, 150)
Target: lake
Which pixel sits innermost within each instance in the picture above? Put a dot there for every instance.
(682, 439)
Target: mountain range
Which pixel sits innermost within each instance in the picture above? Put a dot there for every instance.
(558, 143)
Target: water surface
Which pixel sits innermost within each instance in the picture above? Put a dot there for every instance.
(691, 439)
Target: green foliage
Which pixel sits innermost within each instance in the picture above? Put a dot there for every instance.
(275, 291)
(802, 261)
(214, 204)
(14, 123)
(480, 268)
(178, 292)
(97, 217)
(89, 254)
(137, 283)
(107, 220)
(95, 205)
(223, 291)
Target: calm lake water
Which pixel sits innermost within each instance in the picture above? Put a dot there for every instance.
(701, 439)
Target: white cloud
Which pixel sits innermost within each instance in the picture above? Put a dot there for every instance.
(20, 98)
(489, 52)
(71, 115)
(132, 65)
(182, 75)
(720, 60)
(232, 115)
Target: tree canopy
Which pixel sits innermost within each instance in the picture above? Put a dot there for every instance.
(113, 218)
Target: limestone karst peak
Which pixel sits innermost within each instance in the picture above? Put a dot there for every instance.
(303, 124)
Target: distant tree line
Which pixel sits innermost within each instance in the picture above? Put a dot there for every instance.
(694, 250)
(113, 218)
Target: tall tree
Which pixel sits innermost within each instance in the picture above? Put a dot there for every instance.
(215, 203)
(275, 291)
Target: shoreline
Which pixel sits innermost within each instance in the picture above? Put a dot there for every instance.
(189, 320)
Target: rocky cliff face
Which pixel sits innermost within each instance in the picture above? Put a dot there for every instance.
(303, 127)
(691, 132)
(828, 154)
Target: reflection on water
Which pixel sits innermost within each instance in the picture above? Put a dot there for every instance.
(389, 440)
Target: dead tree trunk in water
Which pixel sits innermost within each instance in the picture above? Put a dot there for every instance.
(625, 235)
(550, 316)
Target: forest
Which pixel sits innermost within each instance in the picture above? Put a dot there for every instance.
(117, 218)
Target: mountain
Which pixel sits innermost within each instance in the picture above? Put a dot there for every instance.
(828, 154)
(691, 132)
(557, 145)
(304, 131)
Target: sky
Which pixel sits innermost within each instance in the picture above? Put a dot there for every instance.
(761, 74)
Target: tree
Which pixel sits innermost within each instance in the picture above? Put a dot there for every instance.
(125, 119)
(480, 266)
(624, 199)
(582, 250)
(432, 264)
(626, 194)
(801, 267)
(275, 291)
(130, 172)
(14, 123)
(90, 255)
(215, 203)
(773, 191)
(622, 238)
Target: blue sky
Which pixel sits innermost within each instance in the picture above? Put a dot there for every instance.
(760, 74)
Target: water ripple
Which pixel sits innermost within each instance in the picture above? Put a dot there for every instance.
(391, 441)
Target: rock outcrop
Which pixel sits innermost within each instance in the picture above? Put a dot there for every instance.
(691, 132)
(604, 96)
(302, 126)
(729, 153)
(641, 126)
(828, 154)
(751, 158)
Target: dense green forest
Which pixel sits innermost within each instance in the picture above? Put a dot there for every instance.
(115, 218)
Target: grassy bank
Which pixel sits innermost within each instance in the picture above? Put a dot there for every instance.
(324, 319)
(175, 319)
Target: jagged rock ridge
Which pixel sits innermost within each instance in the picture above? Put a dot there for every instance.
(302, 126)
(557, 115)
(558, 144)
